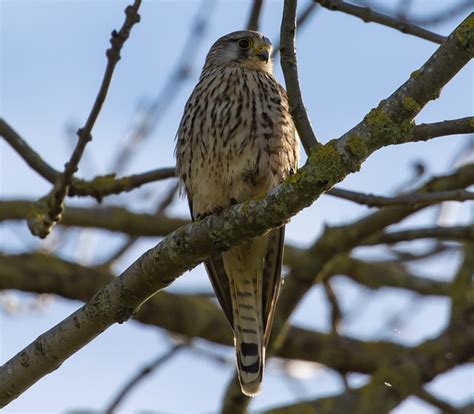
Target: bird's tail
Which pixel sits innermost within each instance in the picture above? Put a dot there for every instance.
(249, 343)
(246, 292)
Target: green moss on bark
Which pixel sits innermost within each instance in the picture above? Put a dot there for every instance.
(465, 32)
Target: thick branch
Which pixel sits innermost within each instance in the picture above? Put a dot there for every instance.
(309, 266)
(336, 240)
(40, 273)
(47, 210)
(191, 244)
(368, 15)
(396, 378)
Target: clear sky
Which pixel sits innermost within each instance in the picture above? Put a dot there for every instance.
(52, 61)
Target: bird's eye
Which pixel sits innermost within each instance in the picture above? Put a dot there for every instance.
(243, 44)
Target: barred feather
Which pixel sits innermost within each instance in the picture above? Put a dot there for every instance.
(237, 140)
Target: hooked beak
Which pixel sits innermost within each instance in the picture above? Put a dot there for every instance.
(263, 53)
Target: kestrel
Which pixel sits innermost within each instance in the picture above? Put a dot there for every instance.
(237, 140)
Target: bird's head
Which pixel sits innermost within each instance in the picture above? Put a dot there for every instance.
(246, 48)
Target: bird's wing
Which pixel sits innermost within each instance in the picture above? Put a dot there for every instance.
(272, 278)
(215, 269)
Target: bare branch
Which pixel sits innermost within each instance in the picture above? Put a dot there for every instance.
(40, 273)
(424, 132)
(108, 218)
(375, 275)
(336, 311)
(144, 372)
(444, 15)
(159, 212)
(309, 266)
(459, 233)
(412, 199)
(32, 158)
(396, 378)
(368, 15)
(47, 211)
(290, 72)
(183, 70)
(191, 244)
(301, 19)
(462, 294)
(99, 187)
(254, 16)
(445, 407)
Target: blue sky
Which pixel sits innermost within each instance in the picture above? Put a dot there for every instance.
(52, 61)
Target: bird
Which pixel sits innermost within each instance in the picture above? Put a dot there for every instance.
(237, 141)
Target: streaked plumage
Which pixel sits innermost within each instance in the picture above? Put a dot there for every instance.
(237, 140)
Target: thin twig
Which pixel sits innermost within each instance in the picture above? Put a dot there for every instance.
(98, 187)
(368, 15)
(441, 16)
(189, 246)
(336, 312)
(254, 16)
(290, 72)
(183, 70)
(413, 199)
(47, 211)
(160, 211)
(140, 376)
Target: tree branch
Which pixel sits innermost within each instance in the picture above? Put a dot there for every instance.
(32, 158)
(396, 378)
(150, 116)
(301, 19)
(462, 294)
(309, 267)
(144, 372)
(459, 233)
(414, 199)
(99, 187)
(436, 402)
(191, 244)
(41, 273)
(47, 211)
(376, 275)
(108, 218)
(254, 16)
(290, 72)
(368, 15)
(423, 132)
